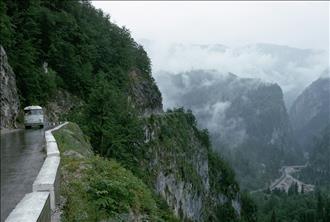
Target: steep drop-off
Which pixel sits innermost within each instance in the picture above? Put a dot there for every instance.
(193, 180)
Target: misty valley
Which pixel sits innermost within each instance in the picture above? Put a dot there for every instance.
(158, 130)
(248, 121)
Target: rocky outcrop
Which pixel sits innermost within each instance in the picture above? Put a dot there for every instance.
(9, 97)
(144, 93)
(61, 104)
(310, 113)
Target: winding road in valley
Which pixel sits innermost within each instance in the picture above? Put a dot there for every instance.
(286, 180)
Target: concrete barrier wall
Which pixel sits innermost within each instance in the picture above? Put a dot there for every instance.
(49, 136)
(52, 149)
(33, 207)
(37, 206)
(48, 179)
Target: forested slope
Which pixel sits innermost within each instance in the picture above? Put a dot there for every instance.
(77, 42)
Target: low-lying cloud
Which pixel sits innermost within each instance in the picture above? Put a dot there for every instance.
(230, 130)
(293, 69)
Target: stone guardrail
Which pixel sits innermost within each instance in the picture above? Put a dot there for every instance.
(38, 205)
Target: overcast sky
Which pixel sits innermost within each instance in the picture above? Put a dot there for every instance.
(297, 24)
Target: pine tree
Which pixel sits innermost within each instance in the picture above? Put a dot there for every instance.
(112, 123)
(320, 205)
(273, 218)
(326, 216)
(249, 208)
(291, 190)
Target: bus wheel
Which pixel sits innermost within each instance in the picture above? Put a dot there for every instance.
(41, 126)
(27, 127)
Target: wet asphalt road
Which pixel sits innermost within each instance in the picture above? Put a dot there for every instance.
(22, 155)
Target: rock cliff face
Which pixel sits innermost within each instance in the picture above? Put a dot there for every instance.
(144, 93)
(171, 182)
(9, 97)
(310, 113)
(183, 170)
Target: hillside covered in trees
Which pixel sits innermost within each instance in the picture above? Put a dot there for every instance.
(78, 43)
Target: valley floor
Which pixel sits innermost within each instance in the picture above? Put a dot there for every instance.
(286, 180)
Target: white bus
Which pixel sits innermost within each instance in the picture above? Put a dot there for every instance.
(33, 116)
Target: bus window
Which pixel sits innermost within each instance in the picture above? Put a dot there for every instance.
(27, 112)
(36, 112)
(33, 112)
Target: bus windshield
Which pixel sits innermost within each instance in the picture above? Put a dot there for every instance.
(33, 112)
